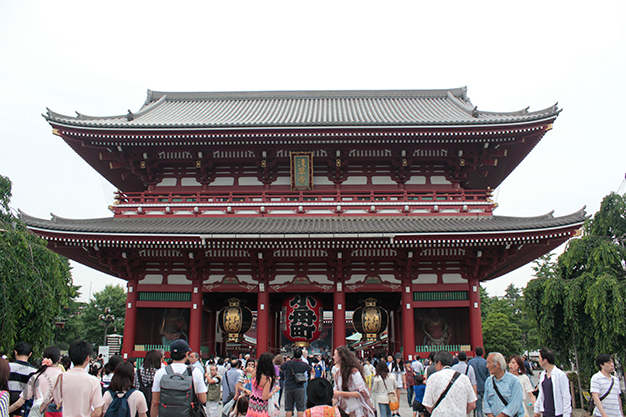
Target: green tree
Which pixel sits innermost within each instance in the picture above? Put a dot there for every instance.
(113, 297)
(35, 283)
(579, 302)
(72, 324)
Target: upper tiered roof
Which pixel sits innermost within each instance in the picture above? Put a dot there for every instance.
(281, 109)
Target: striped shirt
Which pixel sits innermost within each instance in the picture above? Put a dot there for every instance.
(4, 404)
(600, 385)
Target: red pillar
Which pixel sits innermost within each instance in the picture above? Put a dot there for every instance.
(476, 326)
(130, 320)
(408, 321)
(339, 317)
(195, 317)
(262, 321)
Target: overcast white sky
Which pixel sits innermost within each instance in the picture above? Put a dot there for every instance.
(99, 58)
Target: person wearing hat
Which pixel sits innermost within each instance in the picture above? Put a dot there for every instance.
(319, 399)
(397, 370)
(179, 351)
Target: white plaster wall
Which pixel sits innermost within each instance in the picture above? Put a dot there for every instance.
(439, 180)
(178, 279)
(426, 279)
(453, 279)
(416, 180)
(355, 180)
(155, 279)
(249, 181)
(189, 182)
(378, 180)
(167, 182)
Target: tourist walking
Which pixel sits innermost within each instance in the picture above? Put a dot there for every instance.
(213, 381)
(296, 374)
(319, 399)
(144, 376)
(179, 351)
(448, 393)
(21, 371)
(554, 398)
(503, 391)
(5, 372)
(41, 383)
(229, 384)
(352, 396)
(262, 387)
(78, 393)
(605, 389)
(122, 386)
(517, 368)
(383, 384)
(465, 369)
(397, 370)
(409, 381)
(479, 364)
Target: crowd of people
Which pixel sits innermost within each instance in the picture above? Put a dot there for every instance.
(80, 384)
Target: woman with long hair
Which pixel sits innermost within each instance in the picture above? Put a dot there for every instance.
(397, 370)
(517, 368)
(121, 383)
(351, 393)
(383, 384)
(41, 383)
(5, 371)
(263, 386)
(144, 376)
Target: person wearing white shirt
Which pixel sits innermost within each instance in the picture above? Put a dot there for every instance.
(554, 398)
(417, 367)
(460, 398)
(604, 384)
(180, 353)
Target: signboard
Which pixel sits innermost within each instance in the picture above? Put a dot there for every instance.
(301, 171)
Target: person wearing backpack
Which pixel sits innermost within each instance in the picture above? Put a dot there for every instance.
(144, 376)
(121, 399)
(176, 385)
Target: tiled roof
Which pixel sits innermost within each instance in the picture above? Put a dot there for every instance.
(304, 109)
(315, 227)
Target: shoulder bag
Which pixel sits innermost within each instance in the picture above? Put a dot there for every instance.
(443, 394)
(394, 403)
(592, 403)
(300, 377)
(495, 386)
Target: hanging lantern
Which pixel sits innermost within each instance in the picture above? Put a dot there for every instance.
(370, 320)
(235, 320)
(302, 319)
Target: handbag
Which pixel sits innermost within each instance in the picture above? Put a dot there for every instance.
(35, 410)
(50, 409)
(592, 403)
(394, 403)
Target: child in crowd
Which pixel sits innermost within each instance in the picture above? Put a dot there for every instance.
(419, 388)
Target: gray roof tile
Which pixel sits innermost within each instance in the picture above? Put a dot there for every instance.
(312, 226)
(305, 109)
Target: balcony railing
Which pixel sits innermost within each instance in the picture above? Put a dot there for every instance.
(272, 203)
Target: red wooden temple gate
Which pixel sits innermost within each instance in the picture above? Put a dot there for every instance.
(344, 194)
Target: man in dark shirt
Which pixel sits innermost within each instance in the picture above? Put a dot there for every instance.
(294, 390)
(480, 370)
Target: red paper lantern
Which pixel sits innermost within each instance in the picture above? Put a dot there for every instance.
(302, 319)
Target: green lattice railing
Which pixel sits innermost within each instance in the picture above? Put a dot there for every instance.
(440, 295)
(164, 296)
(449, 348)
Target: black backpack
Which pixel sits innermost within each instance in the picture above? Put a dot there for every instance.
(145, 390)
(119, 406)
(176, 393)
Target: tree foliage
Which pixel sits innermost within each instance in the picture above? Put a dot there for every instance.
(113, 297)
(579, 302)
(35, 283)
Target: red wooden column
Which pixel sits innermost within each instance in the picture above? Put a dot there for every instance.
(476, 326)
(130, 321)
(262, 320)
(339, 316)
(195, 317)
(408, 320)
